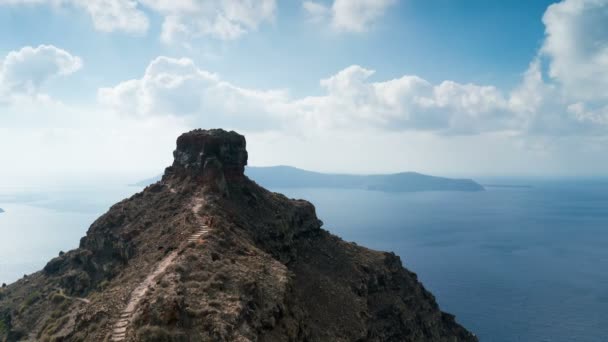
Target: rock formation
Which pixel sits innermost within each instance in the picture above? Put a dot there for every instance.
(206, 254)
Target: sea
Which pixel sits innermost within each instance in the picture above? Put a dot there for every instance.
(512, 263)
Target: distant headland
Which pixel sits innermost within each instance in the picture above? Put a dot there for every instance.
(291, 177)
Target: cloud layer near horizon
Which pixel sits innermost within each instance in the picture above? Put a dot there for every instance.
(179, 88)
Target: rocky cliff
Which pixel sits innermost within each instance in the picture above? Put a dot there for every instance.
(206, 254)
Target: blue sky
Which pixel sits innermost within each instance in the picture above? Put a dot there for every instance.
(447, 87)
(470, 41)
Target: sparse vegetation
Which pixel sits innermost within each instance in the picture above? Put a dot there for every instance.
(30, 300)
(159, 334)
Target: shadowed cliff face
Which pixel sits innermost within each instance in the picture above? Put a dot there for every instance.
(260, 268)
(210, 157)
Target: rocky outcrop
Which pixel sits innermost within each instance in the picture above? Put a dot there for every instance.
(265, 270)
(209, 157)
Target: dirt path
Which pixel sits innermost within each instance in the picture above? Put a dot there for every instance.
(62, 293)
(119, 330)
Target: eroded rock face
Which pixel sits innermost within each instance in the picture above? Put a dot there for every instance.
(210, 155)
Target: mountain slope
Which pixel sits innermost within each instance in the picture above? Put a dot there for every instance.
(206, 254)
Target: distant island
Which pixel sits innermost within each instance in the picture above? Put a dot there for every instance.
(1, 210)
(291, 177)
(508, 186)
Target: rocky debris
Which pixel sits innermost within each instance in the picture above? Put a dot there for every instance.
(266, 271)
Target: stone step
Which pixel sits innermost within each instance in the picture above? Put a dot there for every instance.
(120, 330)
(121, 323)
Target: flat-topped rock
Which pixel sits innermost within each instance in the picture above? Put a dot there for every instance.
(210, 154)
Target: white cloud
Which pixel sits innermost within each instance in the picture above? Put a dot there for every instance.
(221, 19)
(594, 116)
(183, 19)
(406, 103)
(317, 12)
(177, 87)
(23, 72)
(114, 15)
(348, 15)
(107, 15)
(577, 46)
(546, 108)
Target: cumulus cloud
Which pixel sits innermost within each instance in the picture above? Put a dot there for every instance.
(221, 19)
(114, 15)
(107, 15)
(177, 87)
(577, 47)
(348, 15)
(406, 103)
(183, 19)
(23, 72)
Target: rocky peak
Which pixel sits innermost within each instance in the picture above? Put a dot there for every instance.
(213, 156)
(176, 262)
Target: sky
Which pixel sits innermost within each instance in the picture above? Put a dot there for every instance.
(100, 89)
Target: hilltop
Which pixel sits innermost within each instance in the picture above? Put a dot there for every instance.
(206, 254)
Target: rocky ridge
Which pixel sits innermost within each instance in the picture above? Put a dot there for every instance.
(206, 254)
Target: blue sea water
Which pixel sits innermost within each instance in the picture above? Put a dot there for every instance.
(513, 264)
(38, 224)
